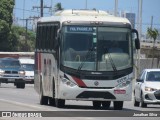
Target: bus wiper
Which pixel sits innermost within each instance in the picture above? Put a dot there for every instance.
(86, 57)
(111, 61)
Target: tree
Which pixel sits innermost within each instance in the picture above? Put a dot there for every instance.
(6, 11)
(153, 34)
(19, 34)
(58, 7)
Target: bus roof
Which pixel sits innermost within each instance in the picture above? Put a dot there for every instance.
(83, 16)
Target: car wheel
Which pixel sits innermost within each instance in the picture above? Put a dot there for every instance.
(96, 104)
(143, 105)
(20, 85)
(136, 103)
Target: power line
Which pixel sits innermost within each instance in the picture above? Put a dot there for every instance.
(29, 10)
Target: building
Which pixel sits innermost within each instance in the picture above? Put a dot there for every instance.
(130, 16)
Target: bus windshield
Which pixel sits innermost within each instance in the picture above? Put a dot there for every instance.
(96, 48)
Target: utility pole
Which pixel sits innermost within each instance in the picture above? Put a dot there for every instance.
(34, 18)
(26, 20)
(41, 7)
(23, 10)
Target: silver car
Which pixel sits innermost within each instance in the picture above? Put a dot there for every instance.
(147, 88)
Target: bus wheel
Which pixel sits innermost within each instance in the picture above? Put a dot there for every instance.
(43, 99)
(118, 105)
(96, 104)
(52, 101)
(59, 103)
(106, 104)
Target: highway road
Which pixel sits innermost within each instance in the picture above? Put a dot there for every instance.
(13, 99)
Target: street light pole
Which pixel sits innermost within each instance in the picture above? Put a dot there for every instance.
(139, 27)
(116, 7)
(140, 2)
(86, 4)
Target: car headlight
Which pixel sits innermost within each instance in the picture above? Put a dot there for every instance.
(68, 82)
(22, 72)
(1, 72)
(150, 89)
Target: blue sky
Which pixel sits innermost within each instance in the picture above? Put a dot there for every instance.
(150, 8)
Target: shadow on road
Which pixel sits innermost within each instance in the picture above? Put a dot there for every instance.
(84, 107)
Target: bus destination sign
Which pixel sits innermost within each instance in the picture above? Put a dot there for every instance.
(79, 29)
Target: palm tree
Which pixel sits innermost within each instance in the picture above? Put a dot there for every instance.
(153, 34)
(58, 7)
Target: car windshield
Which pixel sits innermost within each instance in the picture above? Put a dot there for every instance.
(96, 48)
(9, 64)
(153, 76)
(28, 67)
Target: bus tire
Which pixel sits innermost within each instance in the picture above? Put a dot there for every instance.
(43, 99)
(60, 103)
(118, 105)
(106, 104)
(96, 104)
(52, 99)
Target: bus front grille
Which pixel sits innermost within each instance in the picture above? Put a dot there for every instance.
(95, 94)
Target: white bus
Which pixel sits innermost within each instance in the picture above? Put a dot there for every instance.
(73, 60)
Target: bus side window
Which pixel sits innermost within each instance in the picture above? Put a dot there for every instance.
(47, 37)
(40, 38)
(50, 37)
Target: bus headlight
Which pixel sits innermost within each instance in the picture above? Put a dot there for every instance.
(68, 82)
(123, 84)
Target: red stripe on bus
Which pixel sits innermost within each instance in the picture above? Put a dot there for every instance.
(39, 61)
(79, 82)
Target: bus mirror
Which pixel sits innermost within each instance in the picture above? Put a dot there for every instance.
(137, 41)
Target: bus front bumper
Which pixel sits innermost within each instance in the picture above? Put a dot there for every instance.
(90, 94)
